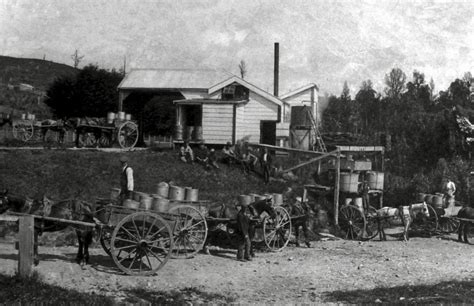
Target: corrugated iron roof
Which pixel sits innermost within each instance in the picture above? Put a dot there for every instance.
(173, 78)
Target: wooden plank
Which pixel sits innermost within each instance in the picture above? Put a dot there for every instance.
(26, 247)
(58, 220)
(361, 148)
(324, 155)
(9, 218)
(336, 190)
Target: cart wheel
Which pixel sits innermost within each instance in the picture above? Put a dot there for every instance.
(425, 225)
(189, 231)
(371, 225)
(87, 140)
(141, 243)
(23, 130)
(448, 225)
(277, 232)
(128, 135)
(352, 222)
(105, 239)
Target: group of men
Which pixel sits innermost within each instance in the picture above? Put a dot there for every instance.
(240, 154)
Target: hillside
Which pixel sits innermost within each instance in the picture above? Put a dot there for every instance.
(35, 72)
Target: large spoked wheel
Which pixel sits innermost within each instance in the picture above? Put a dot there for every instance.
(189, 229)
(426, 225)
(127, 135)
(105, 239)
(141, 243)
(448, 225)
(371, 225)
(23, 130)
(277, 232)
(352, 222)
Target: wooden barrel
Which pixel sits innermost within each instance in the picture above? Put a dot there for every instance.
(178, 132)
(121, 116)
(160, 204)
(129, 203)
(110, 117)
(429, 199)
(348, 201)
(349, 182)
(145, 202)
(375, 180)
(114, 193)
(198, 132)
(23, 116)
(136, 195)
(420, 197)
(259, 197)
(163, 189)
(437, 201)
(128, 117)
(191, 194)
(176, 193)
(244, 199)
(277, 199)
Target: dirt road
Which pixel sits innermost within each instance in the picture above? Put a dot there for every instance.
(314, 274)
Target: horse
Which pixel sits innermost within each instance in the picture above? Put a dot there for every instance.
(300, 213)
(257, 208)
(71, 209)
(465, 213)
(88, 131)
(60, 126)
(403, 215)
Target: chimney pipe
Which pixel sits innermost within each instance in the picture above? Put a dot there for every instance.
(276, 70)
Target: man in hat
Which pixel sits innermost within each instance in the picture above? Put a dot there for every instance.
(449, 188)
(243, 232)
(126, 179)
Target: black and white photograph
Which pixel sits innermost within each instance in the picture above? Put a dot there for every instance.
(266, 152)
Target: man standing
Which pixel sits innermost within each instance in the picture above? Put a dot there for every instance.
(449, 189)
(243, 231)
(126, 179)
(266, 162)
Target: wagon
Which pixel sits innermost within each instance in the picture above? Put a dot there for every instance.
(102, 134)
(24, 129)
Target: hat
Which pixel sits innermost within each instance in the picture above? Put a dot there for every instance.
(123, 159)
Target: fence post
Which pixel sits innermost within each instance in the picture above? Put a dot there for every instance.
(26, 245)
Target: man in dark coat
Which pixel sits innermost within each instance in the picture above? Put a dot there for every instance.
(243, 232)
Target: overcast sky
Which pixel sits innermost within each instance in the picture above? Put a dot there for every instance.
(322, 42)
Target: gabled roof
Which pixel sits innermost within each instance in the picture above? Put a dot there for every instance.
(255, 89)
(298, 91)
(173, 78)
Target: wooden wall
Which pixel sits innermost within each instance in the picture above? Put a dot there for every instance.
(217, 121)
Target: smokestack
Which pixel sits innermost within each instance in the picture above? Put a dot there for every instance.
(276, 69)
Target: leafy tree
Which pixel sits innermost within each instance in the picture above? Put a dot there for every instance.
(243, 69)
(395, 82)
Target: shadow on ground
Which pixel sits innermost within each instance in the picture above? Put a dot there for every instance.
(445, 292)
(176, 297)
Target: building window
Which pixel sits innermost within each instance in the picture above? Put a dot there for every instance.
(235, 92)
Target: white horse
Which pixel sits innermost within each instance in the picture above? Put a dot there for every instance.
(403, 215)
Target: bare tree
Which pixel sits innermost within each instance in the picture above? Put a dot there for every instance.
(395, 82)
(243, 69)
(77, 58)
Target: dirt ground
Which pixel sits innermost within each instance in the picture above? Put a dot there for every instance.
(295, 275)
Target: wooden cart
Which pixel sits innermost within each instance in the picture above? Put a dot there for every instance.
(123, 133)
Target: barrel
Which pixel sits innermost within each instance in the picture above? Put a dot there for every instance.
(128, 117)
(437, 201)
(244, 199)
(277, 199)
(110, 117)
(23, 116)
(136, 196)
(375, 180)
(162, 189)
(178, 132)
(189, 132)
(145, 202)
(347, 201)
(121, 116)
(420, 197)
(259, 197)
(358, 203)
(349, 182)
(191, 194)
(114, 193)
(129, 203)
(160, 204)
(198, 132)
(176, 193)
(429, 199)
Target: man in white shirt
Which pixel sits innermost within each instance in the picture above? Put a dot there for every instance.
(449, 190)
(126, 179)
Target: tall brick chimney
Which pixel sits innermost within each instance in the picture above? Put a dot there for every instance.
(276, 70)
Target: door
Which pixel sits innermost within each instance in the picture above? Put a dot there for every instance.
(268, 132)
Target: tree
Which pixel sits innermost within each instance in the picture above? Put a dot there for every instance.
(346, 93)
(76, 58)
(93, 92)
(395, 82)
(243, 69)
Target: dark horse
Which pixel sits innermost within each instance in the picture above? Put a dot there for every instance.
(66, 209)
(300, 213)
(224, 211)
(464, 226)
(59, 126)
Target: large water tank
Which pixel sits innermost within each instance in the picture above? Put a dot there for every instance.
(300, 116)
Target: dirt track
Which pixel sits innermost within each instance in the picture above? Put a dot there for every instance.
(293, 275)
